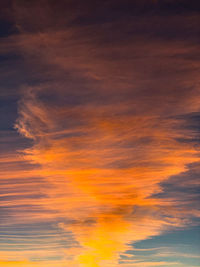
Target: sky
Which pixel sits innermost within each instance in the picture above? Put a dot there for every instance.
(99, 133)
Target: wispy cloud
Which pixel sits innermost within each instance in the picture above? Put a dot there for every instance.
(104, 118)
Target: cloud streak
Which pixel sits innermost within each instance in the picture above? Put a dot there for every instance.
(103, 117)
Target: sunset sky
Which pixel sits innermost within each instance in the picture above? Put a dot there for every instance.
(99, 133)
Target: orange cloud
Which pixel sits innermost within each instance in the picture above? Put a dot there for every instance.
(110, 200)
(104, 124)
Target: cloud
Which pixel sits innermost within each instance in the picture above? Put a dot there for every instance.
(102, 109)
(113, 198)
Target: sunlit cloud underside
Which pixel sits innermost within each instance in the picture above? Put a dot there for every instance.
(104, 150)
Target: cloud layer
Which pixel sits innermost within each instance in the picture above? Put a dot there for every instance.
(108, 117)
